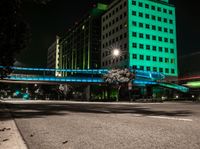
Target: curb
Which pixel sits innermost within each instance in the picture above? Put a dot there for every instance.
(10, 136)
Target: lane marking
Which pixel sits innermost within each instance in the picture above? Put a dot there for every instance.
(171, 118)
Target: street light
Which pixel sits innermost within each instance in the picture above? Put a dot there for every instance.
(116, 52)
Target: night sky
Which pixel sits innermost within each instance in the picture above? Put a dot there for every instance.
(46, 21)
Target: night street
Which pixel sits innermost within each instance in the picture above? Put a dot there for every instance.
(76, 125)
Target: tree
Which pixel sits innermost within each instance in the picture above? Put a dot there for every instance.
(117, 77)
(14, 32)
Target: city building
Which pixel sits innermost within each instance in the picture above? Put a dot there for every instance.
(52, 55)
(144, 31)
(80, 47)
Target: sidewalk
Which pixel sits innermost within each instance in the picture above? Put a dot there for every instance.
(10, 137)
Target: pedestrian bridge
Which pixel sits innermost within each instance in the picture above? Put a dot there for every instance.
(89, 76)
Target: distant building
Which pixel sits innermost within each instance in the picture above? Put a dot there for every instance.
(145, 33)
(53, 55)
(80, 46)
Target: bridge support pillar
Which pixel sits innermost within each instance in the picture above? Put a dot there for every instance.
(87, 91)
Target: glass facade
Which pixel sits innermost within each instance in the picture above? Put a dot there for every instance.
(152, 36)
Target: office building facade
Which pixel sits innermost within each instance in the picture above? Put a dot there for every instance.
(145, 33)
(80, 46)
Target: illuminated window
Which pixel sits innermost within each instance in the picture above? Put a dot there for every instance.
(172, 71)
(134, 23)
(133, 2)
(171, 50)
(148, 58)
(147, 16)
(148, 47)
(141, 35)
(134, 13)
(134, 34)
(153, 7)
(134, 45)
(141, 57)
(141, 46)
(160, 59)
(154, 59)
(166, 70)
(140, 14)
(147, 36)
(140, 4)
(134, 56)
(140, 24)
(147, 26)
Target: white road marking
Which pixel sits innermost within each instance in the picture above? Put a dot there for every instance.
(171, 118)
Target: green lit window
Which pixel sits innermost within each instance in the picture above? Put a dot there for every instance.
(147, 16)
(166, 60)
(160, 49)
(155, 69)
(141, 46)
(134, 56)
(141, 35)
(159, 39)
(141, 57)
(154, 48)
(134, 45)
(134, 13)
(165, 20)
(153, 7)
(160, 69)
(134, 23)
(148, 68)
(147, 26)
(140, 24)
(153, 37)
(140, 14)
(147, 36)
(148, 47)
(166, 50)
(153, 17)
(160, 59)
(154, 59)
(140, 4)
(146, 5)
(171, 50)
(148, 58)
(133, 2)
(172, 71)
(159, 19)
(166, 70)
(159, 28)
(141, 67)
(153, 27)
(165, 30)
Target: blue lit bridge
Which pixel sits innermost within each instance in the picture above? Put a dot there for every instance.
(89, 76)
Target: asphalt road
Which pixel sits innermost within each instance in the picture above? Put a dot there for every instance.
(75, 125)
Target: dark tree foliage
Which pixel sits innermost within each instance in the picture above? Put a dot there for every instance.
(14, 32)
